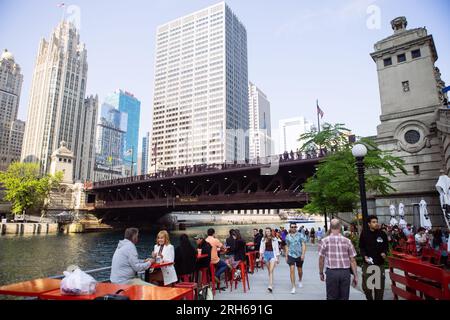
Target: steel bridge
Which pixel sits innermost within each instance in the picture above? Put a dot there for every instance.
(269, 183)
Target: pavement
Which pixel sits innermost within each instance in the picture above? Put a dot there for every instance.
(313, 288)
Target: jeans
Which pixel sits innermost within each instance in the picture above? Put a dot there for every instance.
(220, 268)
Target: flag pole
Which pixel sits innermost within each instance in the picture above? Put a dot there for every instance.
(318, 120)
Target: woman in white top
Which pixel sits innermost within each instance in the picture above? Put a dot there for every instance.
(165, 252)
(270, 252)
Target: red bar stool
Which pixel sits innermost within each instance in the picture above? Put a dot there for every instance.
(244, 276)
(251, 260)
(205, 276)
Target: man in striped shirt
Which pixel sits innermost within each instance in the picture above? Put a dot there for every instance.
(337, 254)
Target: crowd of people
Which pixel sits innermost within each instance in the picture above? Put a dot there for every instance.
(337, 254)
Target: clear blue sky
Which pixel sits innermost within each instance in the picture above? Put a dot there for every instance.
(298, 51)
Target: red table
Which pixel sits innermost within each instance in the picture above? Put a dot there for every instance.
(162, 264)
(31, 288)
(156, 293)
(100, 290)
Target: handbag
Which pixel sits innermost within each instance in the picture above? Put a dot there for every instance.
(115, 296)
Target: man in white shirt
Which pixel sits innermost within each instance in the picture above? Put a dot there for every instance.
(125, 262)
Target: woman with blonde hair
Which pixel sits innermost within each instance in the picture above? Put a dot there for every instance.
(270, 252)
(164, 252)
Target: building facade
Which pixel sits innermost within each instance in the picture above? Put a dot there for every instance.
(57, 100)
(290, 131)
(145, 154)
(260, 131)
(110, 143)
(88, 129)
(411, 103)
(200, 108)
(11, 129)
(127, 103)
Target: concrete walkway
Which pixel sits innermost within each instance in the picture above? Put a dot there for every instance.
(313, 288)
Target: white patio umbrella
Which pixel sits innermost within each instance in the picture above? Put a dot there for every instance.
(401, 213)
(393, 221)
(443, 187)
(425, 221)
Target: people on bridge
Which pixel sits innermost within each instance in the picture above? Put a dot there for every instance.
(164, 252)
(295, 254)
(185, 257)
(125, 262)
(216, 245)
(373, 247)
(337, 254)
(270, 252)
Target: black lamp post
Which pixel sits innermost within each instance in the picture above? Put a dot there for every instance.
(359, 151)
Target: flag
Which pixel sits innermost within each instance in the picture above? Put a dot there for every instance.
(62, 4)
(110, 159)
(319, 111)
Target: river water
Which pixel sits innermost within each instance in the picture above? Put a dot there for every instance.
(30, 257)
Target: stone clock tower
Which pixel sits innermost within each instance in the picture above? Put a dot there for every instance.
(411, 96)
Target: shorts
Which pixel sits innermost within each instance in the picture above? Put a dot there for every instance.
(297, 261)
(268, 256)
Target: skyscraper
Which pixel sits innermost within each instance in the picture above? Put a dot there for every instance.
(11, 129)
(290, 131)
(145, 153)
(88, 133)
(110, 141)
(200, 107)
(57, 107)
(127, 103)
(260, 131)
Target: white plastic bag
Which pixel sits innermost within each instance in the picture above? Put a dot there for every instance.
(77, 283)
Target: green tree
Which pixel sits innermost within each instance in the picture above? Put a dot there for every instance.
(25, 187)
(335, 187)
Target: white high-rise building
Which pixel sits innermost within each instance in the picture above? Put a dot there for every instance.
(56, 110)
(11, 129)
(260, 131)
(200, 109)
(290, 131)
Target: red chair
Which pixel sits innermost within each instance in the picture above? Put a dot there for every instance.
(431, 255)
(244, 276)
(205, 276)
(251, 260)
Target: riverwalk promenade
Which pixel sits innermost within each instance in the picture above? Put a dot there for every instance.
(313, 288)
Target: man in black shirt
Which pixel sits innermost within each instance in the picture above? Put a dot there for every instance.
(373, 246)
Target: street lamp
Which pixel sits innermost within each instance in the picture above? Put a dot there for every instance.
(359, 151)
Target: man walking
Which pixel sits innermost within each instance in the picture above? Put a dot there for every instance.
(337, 254)
(295, 250)
(373, 246)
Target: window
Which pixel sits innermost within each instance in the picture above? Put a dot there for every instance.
(416, 170)
(415, 54)
(387, 62)
(412, 136)
(401, 58)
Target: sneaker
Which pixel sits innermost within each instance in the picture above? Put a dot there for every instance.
(270, 289)
(293, 290)
(300, 285)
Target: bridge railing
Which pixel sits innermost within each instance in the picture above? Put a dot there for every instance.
(182, 171)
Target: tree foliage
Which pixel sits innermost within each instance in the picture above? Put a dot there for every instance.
(25, 187)
(335, 186)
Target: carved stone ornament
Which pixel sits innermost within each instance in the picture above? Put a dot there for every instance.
(412, 136)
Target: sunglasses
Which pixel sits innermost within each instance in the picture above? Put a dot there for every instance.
(293, 226)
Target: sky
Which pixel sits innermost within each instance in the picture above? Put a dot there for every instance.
(298, 50)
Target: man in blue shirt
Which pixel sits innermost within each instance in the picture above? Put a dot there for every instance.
(295, 254)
